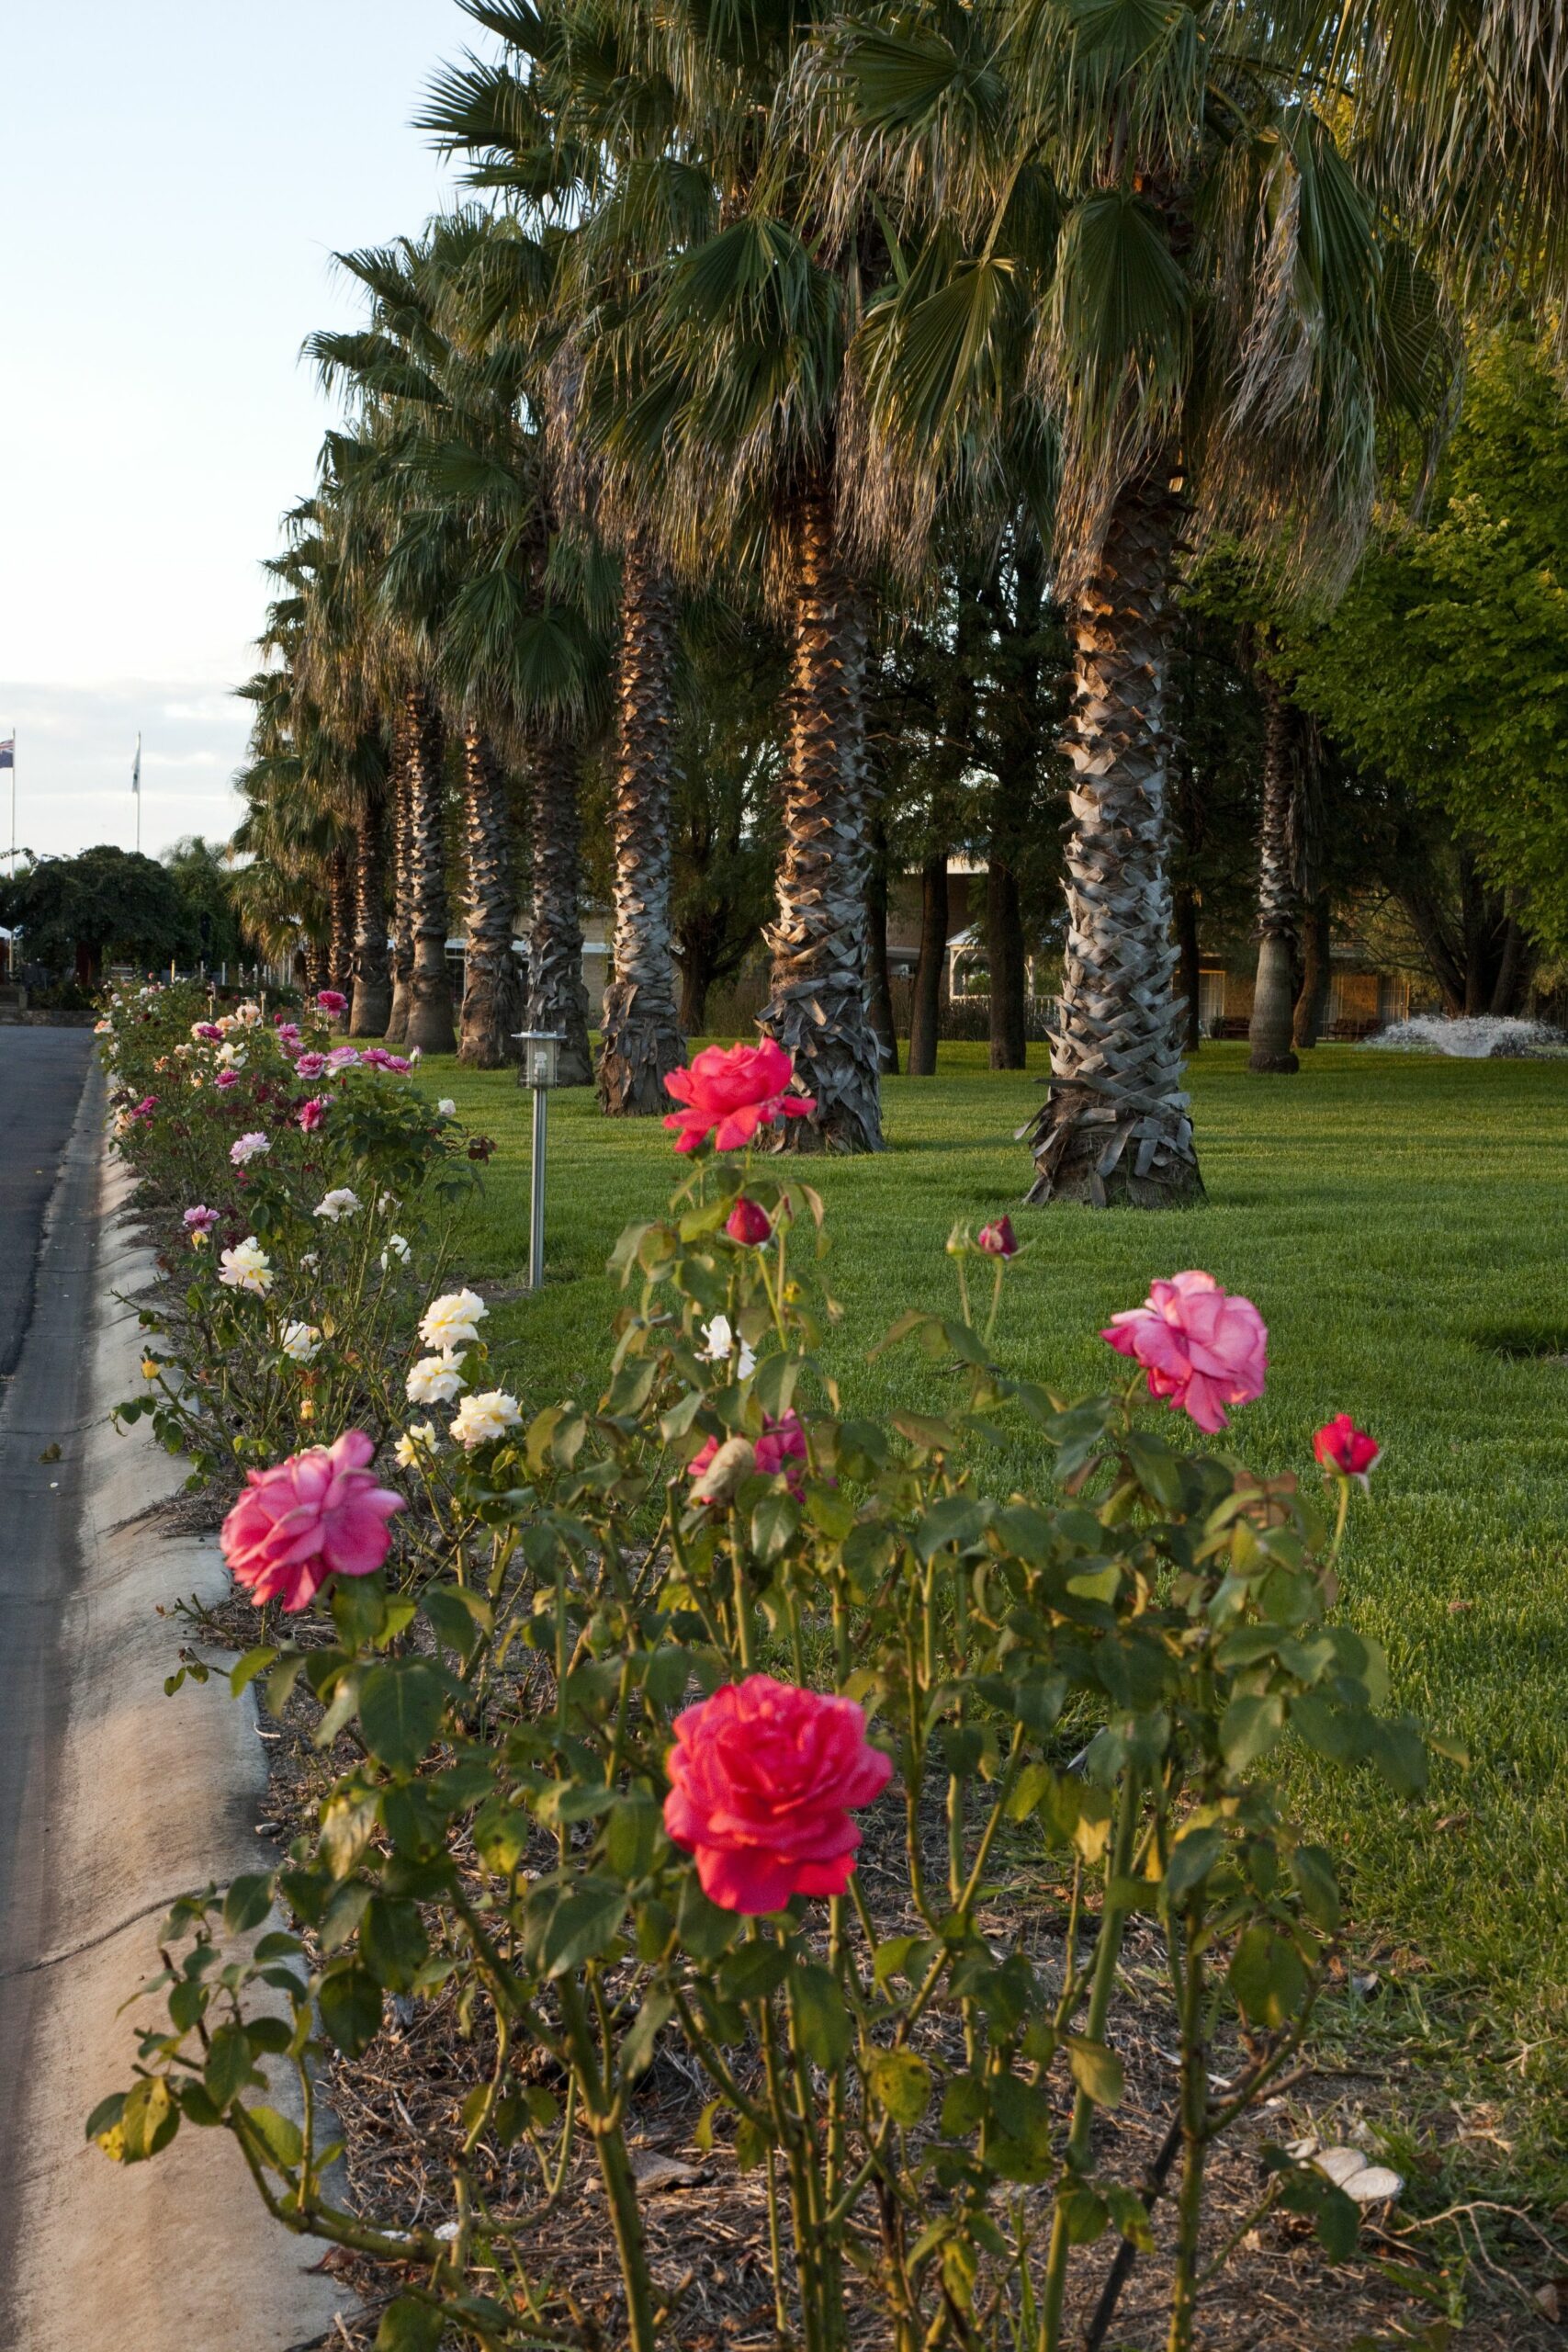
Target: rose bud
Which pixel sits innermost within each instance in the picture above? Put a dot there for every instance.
(1344, 1449)
(749, 1222)
(997, 1241)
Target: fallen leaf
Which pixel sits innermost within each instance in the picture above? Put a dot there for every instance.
(1453, 1821)
(1458, 1608)
(653, 2170)
(1548, 2300)
(1364, 2183)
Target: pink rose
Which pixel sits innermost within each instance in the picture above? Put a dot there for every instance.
(146, 1107)
(378, 1058)
(762, 1781)
(1201, 1347)
(227, 1078)
(1345, 1450)
(341, 1057)
(310, 1064)
(780, 1446)
(200, 1220)
(997, 1241)
(287, 1033)
(318, 1514)
(208, 1032)
(312, 1113)
(732, 1094)
(749, 1222)
(331, 1000)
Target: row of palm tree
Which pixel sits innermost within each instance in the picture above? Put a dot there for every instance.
(828, 313)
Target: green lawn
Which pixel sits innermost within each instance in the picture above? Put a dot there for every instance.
(1399, 1222)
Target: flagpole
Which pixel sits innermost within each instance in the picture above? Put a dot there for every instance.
(136, 788)
(13, 803)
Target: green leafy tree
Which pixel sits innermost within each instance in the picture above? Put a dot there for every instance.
(1442, 667)
(107, 905)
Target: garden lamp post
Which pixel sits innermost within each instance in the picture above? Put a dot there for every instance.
(541, 1071)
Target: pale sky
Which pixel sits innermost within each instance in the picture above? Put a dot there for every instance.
(175, 179)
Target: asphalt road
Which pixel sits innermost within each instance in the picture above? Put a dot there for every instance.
(51, 1139)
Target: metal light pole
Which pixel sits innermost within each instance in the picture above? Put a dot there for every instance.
(541, 1071)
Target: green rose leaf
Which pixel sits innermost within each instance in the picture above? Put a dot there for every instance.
(401, 1706)
(901, 2083)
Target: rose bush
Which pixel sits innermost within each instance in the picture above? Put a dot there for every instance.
(281, 1196)
(665, 1661)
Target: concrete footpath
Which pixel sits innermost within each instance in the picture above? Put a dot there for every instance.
(116, 1799)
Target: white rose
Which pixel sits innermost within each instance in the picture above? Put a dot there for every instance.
(340, 1202)
(420, 1437)
(301, 1343)
(435, 1380)
(446, 1108)
(397, 1252)
(478, 1419)
(453, 1320)
(721, 1346)
(246, 1268)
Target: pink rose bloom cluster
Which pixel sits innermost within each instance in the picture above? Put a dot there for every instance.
(730, 1092)
(1202, 1348)
(378, 1058)
(318, 1514)
(763, 1778)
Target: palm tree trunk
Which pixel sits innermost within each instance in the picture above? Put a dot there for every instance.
(926, 1007)
(1274, 996)
(340, 953)
(402, 906)
(557, 1001)
(1115, 1126)
(1311, 1004)
(642, 1041)
(372, 976)
(817, 1008)
(430, 986)
(878, 981)
(1004, 948)
(492, 990)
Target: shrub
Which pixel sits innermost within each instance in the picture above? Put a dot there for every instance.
(620, 1721)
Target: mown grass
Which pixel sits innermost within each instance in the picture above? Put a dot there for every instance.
(1400, 1223)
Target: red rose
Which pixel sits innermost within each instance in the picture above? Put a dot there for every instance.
(750, 1223)
(1343, 1449)
(762, 1781)
(997, 1241)
(730, 1093)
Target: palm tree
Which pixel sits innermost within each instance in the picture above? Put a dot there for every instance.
(1273, 998)
(642, 1040)
(1144, 217)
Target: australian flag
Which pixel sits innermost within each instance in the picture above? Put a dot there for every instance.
(8, 753)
